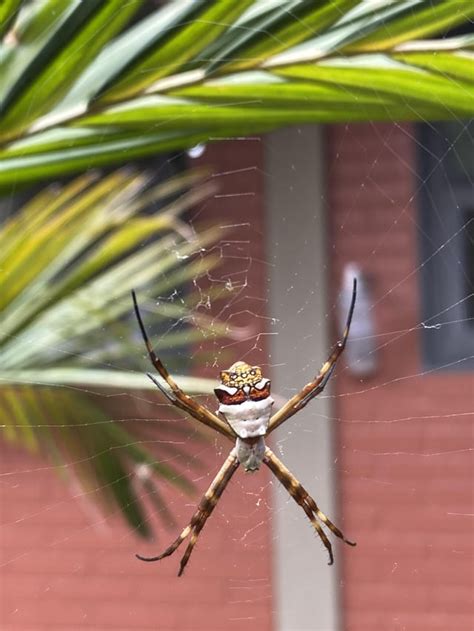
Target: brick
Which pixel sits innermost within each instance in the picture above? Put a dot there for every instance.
(399, 480)
(398, 620)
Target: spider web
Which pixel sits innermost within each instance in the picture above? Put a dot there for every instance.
(387, 455)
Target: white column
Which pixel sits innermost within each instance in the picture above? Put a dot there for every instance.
(297, 251)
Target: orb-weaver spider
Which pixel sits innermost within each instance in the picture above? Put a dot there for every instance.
(244, 415)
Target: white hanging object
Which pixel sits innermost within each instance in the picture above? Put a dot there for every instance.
(360, 353)
(196, 151)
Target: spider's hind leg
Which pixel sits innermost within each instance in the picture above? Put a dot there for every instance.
(172, 548)
(320, 532)
(315, 508)
(203, 512)
(304, 499)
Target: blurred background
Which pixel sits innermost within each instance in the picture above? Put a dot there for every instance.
(237, 164)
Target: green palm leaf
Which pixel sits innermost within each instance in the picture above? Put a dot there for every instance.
(68, 261)
(90, 88)
(8, 10)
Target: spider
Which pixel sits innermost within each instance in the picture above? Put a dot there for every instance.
(244, 416)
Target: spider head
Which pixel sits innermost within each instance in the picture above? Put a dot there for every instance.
(242, 382)
(241, 374)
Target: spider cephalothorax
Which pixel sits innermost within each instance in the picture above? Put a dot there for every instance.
(241, 383)
(244, 416)
(241, 375)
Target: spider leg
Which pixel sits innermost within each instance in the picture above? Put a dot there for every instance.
(315, 387)
(203, 512)
(174, 394)
(303, 499)
(316, 526)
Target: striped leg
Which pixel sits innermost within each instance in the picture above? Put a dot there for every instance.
(173, 393)
(315, 387)
(303, 499)
(204, 510)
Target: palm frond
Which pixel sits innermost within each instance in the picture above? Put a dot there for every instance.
(68, 261)
(84, 86)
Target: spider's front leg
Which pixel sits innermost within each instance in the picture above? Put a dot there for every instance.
(315, 387)
(304, 499)
(173, 393)
(203, 512)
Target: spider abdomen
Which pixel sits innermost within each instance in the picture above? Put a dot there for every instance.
(250, 452)
(248, 419)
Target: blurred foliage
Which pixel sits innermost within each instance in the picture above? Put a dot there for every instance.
(91, 83)
(68, 261)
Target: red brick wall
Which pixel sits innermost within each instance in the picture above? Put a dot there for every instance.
(63, 566)
(405, 439)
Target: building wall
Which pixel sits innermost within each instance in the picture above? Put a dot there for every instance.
(405, 437)
(66, 566)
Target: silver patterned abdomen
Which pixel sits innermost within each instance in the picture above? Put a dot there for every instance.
(248, 419)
